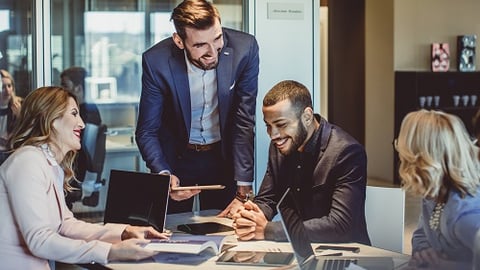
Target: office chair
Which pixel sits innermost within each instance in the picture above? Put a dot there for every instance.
(385, 224)
(93, 144)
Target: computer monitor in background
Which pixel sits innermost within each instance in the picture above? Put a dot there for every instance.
(103, 88)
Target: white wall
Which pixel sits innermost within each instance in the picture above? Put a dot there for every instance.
(323, 62)
(289, 49)
(398, 37)
(420, 23)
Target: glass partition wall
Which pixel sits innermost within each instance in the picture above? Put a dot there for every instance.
(107, 38)
(16, 53)
(40, 39)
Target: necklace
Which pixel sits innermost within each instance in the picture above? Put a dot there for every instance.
(46, 148)
(435, 217)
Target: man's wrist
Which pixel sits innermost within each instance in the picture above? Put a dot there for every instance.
(165, 172)
(244, 193)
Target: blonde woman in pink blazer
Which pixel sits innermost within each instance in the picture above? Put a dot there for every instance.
(36, 226)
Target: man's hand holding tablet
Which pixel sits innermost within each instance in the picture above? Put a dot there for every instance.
(180, 193)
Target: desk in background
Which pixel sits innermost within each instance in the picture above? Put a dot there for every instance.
(209, 215)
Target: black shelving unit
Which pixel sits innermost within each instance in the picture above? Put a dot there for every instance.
(411, 85)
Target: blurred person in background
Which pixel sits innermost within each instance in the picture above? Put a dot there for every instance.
(10, 105)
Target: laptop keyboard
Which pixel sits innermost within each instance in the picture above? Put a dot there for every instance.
(338, 264)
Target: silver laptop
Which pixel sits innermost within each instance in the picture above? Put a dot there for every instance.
(294, 228)
(137, 198)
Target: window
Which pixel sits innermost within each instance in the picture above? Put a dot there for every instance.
(107, 38)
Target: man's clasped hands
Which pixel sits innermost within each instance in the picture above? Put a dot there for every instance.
(249, 222)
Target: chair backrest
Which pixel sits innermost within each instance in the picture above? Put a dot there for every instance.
(385, 216)
(476, 252)
(93, 144)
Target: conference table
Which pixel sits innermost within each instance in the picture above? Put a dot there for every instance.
(210, 215)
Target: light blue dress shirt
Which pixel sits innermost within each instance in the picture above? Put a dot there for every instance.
(205, 126)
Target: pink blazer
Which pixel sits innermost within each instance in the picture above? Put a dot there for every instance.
(36, 225)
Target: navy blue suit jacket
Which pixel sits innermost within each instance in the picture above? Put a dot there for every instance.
(164, 119)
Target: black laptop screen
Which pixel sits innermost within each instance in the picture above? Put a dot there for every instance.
(137, 198)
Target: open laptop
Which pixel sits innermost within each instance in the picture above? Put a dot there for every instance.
(301, 245)
(137, 198)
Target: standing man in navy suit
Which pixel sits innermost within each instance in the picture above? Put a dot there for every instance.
(197, 108)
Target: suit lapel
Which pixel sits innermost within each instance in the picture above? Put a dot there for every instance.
(182, 88)
(320, 174)
(224, 84)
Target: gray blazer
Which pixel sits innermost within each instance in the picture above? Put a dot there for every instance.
(459, 222)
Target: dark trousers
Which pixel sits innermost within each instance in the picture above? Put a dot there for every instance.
(204, 168)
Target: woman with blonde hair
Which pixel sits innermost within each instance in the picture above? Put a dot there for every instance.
(439, 162)
(9, 110)
(37, 226)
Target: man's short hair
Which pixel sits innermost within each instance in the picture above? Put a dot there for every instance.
(294, 91)
(198, 14)
(76, 75)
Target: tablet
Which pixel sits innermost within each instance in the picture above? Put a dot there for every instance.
(208, 187)
(257, 258)
(204, 228)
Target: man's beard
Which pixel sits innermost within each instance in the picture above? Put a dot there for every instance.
(198, 63)
(297, 140)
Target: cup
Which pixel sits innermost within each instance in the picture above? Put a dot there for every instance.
(421, 101)
(436, 101)
(429, 101)
(456, 100)
(473, 100)
(465, 99)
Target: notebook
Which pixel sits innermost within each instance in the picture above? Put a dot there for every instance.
(302, 248)
(137, 198)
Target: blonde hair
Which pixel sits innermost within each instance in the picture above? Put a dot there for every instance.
(436, 155)
(35, 124)
(7, 75)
